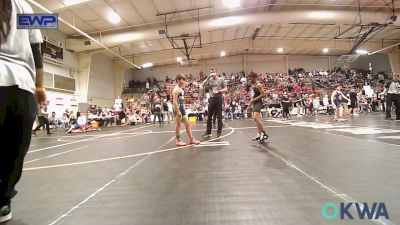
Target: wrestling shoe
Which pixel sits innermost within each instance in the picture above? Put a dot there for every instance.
(257, 138)
(194, 142)
(5, 213)
(263, 137)
(207, 135)
(180, 143)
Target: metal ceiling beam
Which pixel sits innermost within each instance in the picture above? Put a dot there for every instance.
(290, 31)
(383, 49)
(309, 47)
(309, 44)
(367, 31)
(255, 33)
(212, 13)
(181, 11)
(303, 31)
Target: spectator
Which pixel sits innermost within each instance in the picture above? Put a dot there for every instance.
(157, 112)
(285, 103)
(80, 124)
(43, 120)
(64, 121)
(165, 117)
(52, 119)
(147, 86)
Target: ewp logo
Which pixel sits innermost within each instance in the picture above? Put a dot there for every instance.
(37, 21)
(330, 210)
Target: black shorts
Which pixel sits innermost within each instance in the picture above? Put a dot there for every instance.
(353, 104)
(257, 107)
(183, 112)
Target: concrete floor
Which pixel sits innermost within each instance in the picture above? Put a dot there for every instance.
(136, 176)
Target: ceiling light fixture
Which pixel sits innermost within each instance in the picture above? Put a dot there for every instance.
(126, 37)
(113, 17)
(147, 65)
(279, 50)
(227, 21)
(223, 53)
(74, 2)
(232, 3)
(325, 50)
(361, 52)
(321, 15)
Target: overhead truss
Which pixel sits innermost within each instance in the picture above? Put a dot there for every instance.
(360, 32)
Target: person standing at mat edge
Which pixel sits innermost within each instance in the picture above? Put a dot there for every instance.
(180, 112)
(392, 91)
(21, 76)
(217, 87)
(257, 103)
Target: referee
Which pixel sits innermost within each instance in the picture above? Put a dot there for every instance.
(217, 87)
(392, 91)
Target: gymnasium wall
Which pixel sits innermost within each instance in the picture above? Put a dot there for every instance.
(118, 79)
(60, 101)
(228, 65)
(380, 62)
(313, 62)
(101, 80)
(82, 78)
(394, 58)
(266, 63)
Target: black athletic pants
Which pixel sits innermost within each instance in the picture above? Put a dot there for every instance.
(17, 113)
(157, 114)
(214, 109)
(396, 101)
(285, 112)
(389, 103)
(43, 122)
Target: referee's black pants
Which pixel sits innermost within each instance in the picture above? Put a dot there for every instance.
(389, 103)
(17, 114)
(396, 101)
(214, 109)
(43, 122)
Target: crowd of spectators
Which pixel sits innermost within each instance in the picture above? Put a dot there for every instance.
(301, 92)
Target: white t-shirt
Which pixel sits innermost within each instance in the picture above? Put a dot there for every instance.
(133, 118)
(243, 80)
(17, 66)
(325, 100)
(81, 120)
(170, 109)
